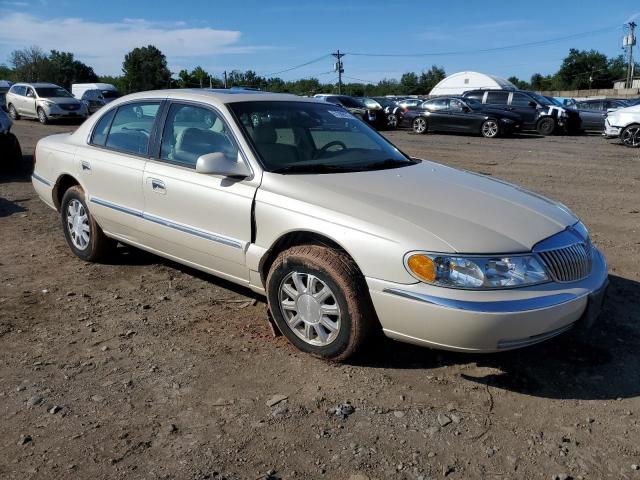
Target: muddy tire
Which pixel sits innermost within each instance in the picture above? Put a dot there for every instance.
(320, 301)
(84, 236)
(42, 116)
(546, 126)
(13, 113)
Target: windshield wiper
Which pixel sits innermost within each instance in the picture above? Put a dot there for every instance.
(310, 168)
(388, 163)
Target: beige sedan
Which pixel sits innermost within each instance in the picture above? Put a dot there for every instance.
(344, 234)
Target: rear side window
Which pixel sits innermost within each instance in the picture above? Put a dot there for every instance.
(438, 104)
(101, 130)
(497, 97)
(18, 90)
(131, 127)
(520, 100)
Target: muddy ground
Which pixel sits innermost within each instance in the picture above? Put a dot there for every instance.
(142, 368)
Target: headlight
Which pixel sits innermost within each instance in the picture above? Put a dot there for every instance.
(476, 272)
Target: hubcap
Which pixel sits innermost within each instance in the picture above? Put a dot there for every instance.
(78, 224)
(310, 308)
(490, 129)
(631, 136)
(420, 125)
(393, 120)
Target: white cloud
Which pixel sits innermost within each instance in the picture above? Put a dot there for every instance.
(103, 45)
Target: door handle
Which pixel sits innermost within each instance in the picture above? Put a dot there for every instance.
(85, 165)
(158, 185)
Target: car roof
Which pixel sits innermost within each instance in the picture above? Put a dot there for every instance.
(37, 85)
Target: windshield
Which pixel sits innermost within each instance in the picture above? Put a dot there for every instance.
(304, 137)
(555, 101)
(110, 94)
(52, 92)
(540, 99)
(350, 102)
(371, 103)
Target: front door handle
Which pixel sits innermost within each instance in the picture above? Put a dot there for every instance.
(158, 185)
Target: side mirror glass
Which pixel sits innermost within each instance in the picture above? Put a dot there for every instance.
(217, 163)
(533, 104)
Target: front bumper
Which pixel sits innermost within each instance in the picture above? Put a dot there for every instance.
(610, 131)
(57, 112)
(488, 321)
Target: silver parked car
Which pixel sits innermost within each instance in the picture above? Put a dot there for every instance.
(44, 101)
(344, 234)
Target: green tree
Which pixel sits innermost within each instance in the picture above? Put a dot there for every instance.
(65, 70)
(409, 83)
(145, 68)
(581, 65)
(428, 79)
(521, 84)
(30, 64)
(6, 73)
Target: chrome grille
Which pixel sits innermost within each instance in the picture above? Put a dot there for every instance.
(568, 264)
(69, 106)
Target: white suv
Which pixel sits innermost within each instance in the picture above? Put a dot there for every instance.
(624, 123)
(44, 101)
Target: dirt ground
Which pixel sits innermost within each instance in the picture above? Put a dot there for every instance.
(142, 368)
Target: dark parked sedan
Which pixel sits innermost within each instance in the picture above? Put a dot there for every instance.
(593, 112)
(372, 114)
(454, 114)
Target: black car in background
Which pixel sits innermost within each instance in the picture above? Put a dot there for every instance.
(457, 114)
(538, 113)
(373, 115)
(391, 109)
(594, 112)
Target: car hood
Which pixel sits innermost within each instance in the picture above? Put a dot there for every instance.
(60, 100)
(426, 206)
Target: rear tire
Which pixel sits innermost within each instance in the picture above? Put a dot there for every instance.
(546, 126)
(83, 234)
(13, 113)
(42, 116)
(630, 136)
(419, 125)
(320, 301)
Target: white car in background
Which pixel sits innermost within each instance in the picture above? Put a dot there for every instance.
(624, 124)
(301, 201)
(44, 101)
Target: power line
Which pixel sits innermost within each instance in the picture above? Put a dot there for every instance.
(298, 66)
(486, 50)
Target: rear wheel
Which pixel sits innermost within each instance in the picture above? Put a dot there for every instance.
(490, 128)
(83, 234)
(630, 136)
(42, 116)
(546, 126)
(392, 120)
(13, 113)
(419, 125)
(319, 301)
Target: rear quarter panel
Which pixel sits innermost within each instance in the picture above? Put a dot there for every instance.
(55, 157)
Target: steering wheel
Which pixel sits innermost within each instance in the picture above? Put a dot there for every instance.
(323, 150)
(141, 130)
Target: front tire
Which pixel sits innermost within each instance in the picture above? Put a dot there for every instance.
(419, 125)
(546, 126)
(392, 121)
(490, 128)
(42, 116)
(84, 236)
(320, 302)
(630, 136)
(13, 113)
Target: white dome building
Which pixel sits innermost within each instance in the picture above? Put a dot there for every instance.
(458, 83)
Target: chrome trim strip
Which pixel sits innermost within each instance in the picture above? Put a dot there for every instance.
(114, 206)
(167, 223)
(194, 231)
(505, 306)
(41, 179)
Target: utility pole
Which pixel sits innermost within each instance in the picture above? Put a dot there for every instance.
(338, 67)
(629, 42)
(210, 86)
(225, 79)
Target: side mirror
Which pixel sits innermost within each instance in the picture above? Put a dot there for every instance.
(533, 104)
(466, 109)
(218, 163)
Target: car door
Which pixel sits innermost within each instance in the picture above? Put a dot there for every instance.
(20, 99)
(461, 118)
(201, 219)
(591, 114)
(524, 106)
(111, 167)
(29, 103)
(437, 113)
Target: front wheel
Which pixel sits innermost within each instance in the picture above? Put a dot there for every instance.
(392, 120)
(319, 300)
(630, 136)
(490, 128)
(419, 125)
(546, 126)
(83, 234)
(42, 116)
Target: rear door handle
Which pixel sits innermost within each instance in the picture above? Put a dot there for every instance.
(85, 165)
(158, 185)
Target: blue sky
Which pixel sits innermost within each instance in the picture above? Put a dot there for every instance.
(270, 36)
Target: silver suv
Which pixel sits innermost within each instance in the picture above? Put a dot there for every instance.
(44, 101)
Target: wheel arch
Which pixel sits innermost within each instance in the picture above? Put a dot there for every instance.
(64, 182)
(295, 238)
